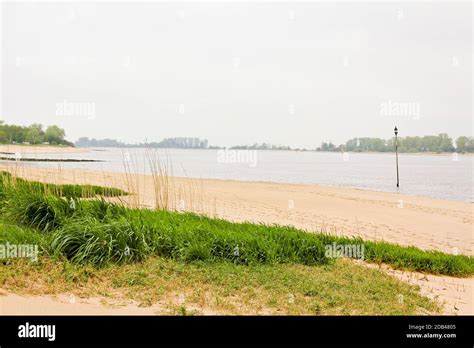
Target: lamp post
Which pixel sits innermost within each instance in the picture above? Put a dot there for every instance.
(396, 152)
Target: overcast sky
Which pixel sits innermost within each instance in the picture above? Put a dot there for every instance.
(238, 73)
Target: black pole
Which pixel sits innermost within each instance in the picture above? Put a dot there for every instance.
(396, 154)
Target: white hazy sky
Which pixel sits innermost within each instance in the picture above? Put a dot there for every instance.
(292, 74)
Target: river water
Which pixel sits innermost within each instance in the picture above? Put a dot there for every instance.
(439, 176)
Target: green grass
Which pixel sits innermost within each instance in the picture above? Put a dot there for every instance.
(181, 288)
(64, 190)
(182, 236)
(98, 232)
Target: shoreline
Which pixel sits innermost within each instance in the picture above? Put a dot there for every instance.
(58, 150)
(31, 162)
(311, 185)
(311, 151)
(263, 182)
(31, 149)
(428, 223)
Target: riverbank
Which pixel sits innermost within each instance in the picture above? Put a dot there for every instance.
(430, 224)
(375, 214)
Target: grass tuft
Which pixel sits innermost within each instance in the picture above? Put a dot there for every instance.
(97, 232)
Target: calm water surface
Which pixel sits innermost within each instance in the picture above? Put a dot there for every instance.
(438, 176)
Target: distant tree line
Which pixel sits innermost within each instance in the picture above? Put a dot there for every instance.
(428, 143)
(33, 134)
(86, 142)
(262, 146)
(178, 143)
(173, 143)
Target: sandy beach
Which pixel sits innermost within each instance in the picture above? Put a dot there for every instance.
(407, 220)
(427, 223)
(64, 304)
(455, 294)
(68, 304)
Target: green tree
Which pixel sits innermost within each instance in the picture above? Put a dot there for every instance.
(352, 145)
(3, 137)
(34, 134)
(54, 135)
(462, 144)
(470, 145)
(445, 143)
